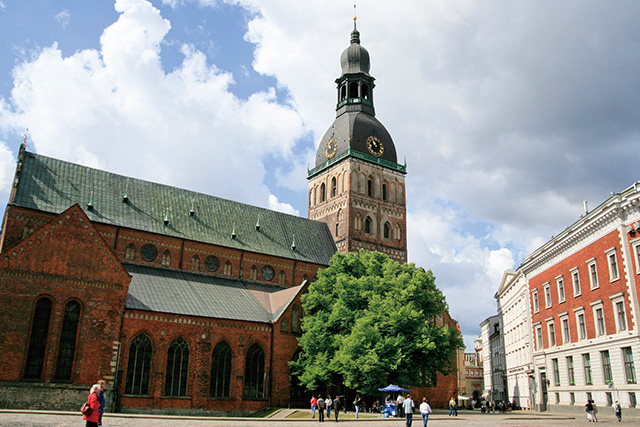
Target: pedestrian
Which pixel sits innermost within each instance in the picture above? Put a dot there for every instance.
(357, 403)
(328, 402)
(589, 408)
(321, 408)
(101, 399)
(452, 403)
(93, 416)
(337, 404)
(314, 405)
(425, 410)
(399, 403)
(595, 410)
(617, 408)
(408, 409)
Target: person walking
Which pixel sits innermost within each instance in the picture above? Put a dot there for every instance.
(337, 404)
(321, 408)
(425, 411)
(452, 403)
(314, 405)
(357, 403)
(399, 403)
(328, 402)
(617, 408)
(589, 408)
(93, 415)
(595, 410)
(408, 409)
(102, 399)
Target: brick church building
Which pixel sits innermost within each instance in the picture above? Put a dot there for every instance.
(182, 301)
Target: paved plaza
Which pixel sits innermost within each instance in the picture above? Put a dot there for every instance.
(58, 419)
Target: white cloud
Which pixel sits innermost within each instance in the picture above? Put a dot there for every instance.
(63, 18)
(275, 205)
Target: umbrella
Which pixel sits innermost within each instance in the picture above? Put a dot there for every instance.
(392, 388)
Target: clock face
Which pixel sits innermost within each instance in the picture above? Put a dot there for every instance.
(375, 146)
(332, 147)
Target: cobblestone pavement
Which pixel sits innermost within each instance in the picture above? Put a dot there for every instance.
(57, 419)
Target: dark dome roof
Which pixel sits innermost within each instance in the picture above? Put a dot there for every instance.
(355, 58)
(351, 130)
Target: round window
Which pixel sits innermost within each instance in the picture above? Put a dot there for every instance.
(149, 252)
(211, 263)
(267, 272)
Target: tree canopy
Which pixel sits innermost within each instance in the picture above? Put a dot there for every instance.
(370, 321)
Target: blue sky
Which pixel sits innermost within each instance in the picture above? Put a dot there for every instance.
(510, 114)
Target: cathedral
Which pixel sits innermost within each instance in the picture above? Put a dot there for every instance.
(184, 302)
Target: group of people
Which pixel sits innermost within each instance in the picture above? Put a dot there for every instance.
(408, 408)
(96, 402)
(320, 404)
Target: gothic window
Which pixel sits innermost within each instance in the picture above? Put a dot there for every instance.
(353, 90)
(295, 319)
(253, 273)
(370, 188)
(130, 252)
(337, 228)
(400, 196)
(254, 373)
(67, 345)
(311, 200)
(227, 269)
(323, 193)
(195, 263)
(139, 365)
(334, 187)
(221, 370)
(177, 368)
(357, 222)
(343, 93)
(282, 278)
(362, 185)
(397, 232)
(387, 230)
(384, 192)
(354, 184)
(345, 183)
(284, 326)
(38, 339)
(166, 258)
(367, 225)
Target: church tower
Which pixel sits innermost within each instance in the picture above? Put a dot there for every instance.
(357, 186)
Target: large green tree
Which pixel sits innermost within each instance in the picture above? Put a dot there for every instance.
(370, 321)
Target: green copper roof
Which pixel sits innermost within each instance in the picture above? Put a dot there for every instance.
(52, 185)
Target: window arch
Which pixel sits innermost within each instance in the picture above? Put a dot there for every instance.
(177, 368)
(130, 252)
(166, 258)
(227, 269)
(282, 277)
(357, 222)
(397, 232)
(368, 225)
(370, 187)
(254, 373)
(340, 215)
(387, 230)
(221, 370)
(38, 338)
(365, 91)
(67, 345)
(295, 318)
(337, 228)
(323, 193)
(353, 90)
(253, 273)
(385, 196)
(195, 263)
(139, 365)
(334, 187)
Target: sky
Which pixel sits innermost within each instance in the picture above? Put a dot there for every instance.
(509, 113)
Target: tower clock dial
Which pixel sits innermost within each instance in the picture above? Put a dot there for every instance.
(375, 146)
(332, 147)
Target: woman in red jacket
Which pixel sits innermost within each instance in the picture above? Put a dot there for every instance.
(93, 418)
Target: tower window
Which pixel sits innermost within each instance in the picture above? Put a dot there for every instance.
(387, 230)
(337, 227)
(353, 90)
(384, 192)
(323, 193)
(367, 225)
(358, 222)
(365, 91)
(334, 187)
(370, 188)
(343, 93)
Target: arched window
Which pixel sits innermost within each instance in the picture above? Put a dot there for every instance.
(367, 225)
(195, 263)
(354, 181)
(254, 373)
(67, 346)
(387, 230)
(340, 215)
(323, 193)
(282, 277)
(221, 370)
(362, 185)
(227, 269)
(284, 326)
(130, 252)
(343, 93)
(166, 258)
(139, 365)
(38, 339)
(365, 91)
(334, 187)
(253, 273)
(384, 192)
(357, 222)
(397, 232)
(370, 188)
(295, 319)
(337, 228)
(177, 368)
(353, 90)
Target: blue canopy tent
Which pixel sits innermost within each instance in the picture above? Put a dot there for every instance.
(392, 388)
(390, 408)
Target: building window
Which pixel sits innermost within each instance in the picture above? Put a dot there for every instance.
(177, 368)
(619, 311)
(598, 317)
(566, 331)
(632, 400)
(337, 229)
(552, 334)
(38, 339)
(586, 362)
(282, 278)
(166, 258)
(268, 273)
(582, 325)
(637, 249)
(253, 273)
(323, 193)
(575, 277)
(211, 263)
(195, 263)
(387, 230)
(614, 274)
(547, 295)
(397, 230)
(572, 398)
(254, 373)
(556, 371)
(367, 225)
(139, 366)
(370, 188)
(357, 222)
(295, 319)
(334, 187)
(606, 366)
(67, 346)
(130, 252)
(572, 378)
(539, 345)
(385, 195)
(609, 397)
(593, 275)
(227, 269)
(221, 371)
(149, 253)
(629, 369)
(561, 296)
(536, 301)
